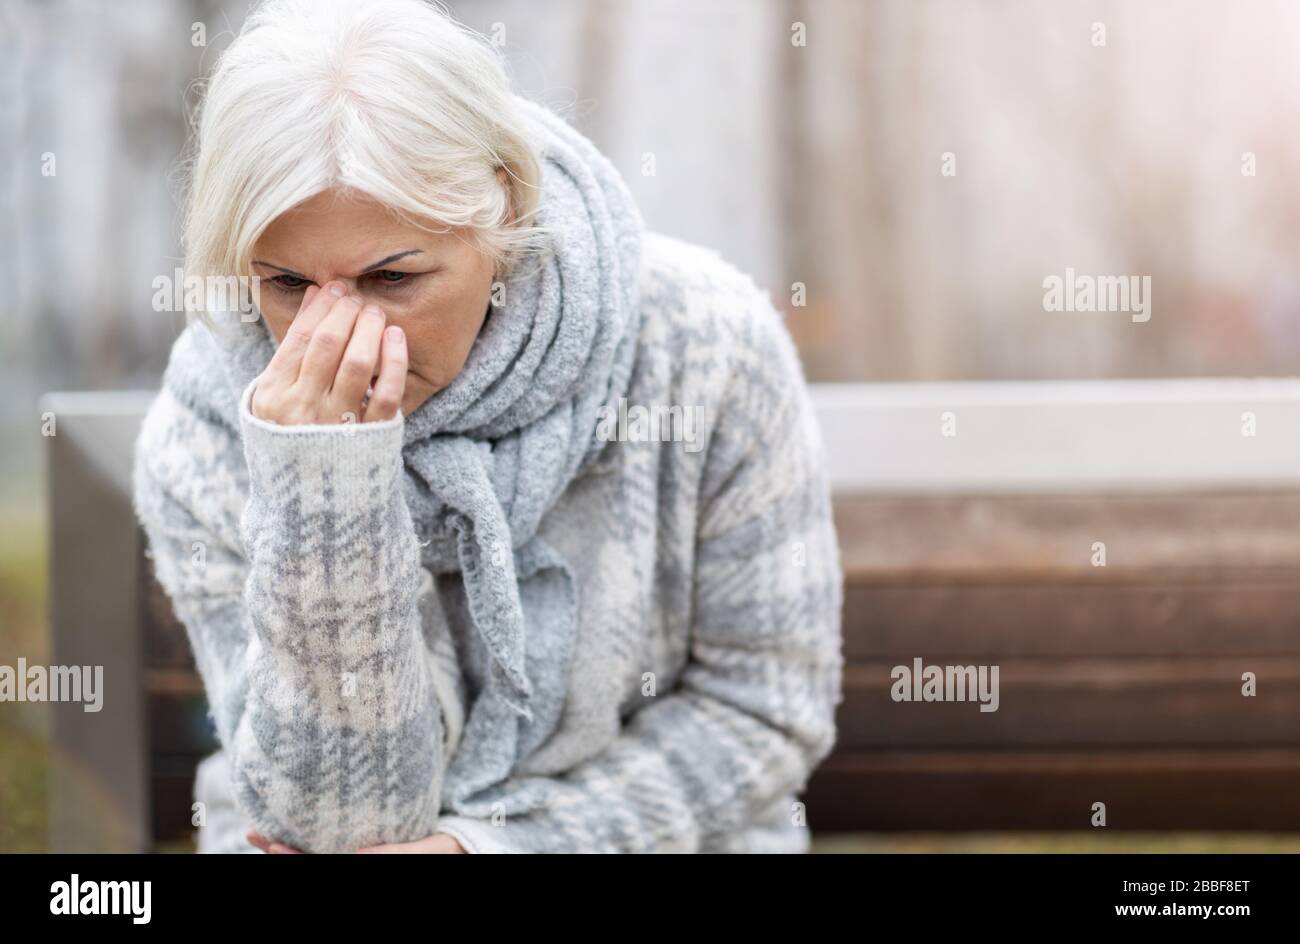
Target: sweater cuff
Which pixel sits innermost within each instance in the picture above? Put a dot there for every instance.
(475, 835)
(344, 461)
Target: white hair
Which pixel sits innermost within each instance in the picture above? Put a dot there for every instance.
(390, 98)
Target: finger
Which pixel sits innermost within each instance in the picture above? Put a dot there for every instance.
(390, 386)
(257, 839)
(328, 342)
(283, 366)
(443, 844)
(359, 361)
(279, 848)
(438, 843)
(287, 360)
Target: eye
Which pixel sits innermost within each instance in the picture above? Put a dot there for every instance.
(390, 276)
(290, 283)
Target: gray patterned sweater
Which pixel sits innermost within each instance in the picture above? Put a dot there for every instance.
(707, 666)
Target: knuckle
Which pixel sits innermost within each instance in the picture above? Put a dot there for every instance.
(329, 339)
(267, 384)
(355, 367)
(298, 335)
(299, 415)
(282, 406)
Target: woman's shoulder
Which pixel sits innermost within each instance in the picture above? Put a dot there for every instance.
(686, 278)
(194, 389)
(715, 339)
(191, 422)
(712, 319)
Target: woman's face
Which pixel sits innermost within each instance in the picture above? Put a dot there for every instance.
(434, 286)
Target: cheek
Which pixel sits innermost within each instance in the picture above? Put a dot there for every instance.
(278, 313)
(441, 325)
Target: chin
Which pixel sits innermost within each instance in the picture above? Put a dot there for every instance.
(412, 401)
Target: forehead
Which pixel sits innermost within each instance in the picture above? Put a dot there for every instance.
(339, 231)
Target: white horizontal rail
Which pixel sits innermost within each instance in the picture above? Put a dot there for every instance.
(978, 437)
(1047, 436)
(103, 425)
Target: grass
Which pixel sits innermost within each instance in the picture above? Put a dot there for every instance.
(24, 812)
(24, 727)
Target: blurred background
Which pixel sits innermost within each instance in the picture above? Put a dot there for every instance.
(901, 175)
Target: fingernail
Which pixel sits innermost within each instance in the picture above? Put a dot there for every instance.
(394, 334)
(372, 310)
(336, 288)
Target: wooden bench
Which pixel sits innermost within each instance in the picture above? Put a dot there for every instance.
(1119, 684)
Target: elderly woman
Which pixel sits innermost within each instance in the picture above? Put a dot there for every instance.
(503, 526)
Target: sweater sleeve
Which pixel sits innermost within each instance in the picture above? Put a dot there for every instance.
(753, 712)
(303, 611)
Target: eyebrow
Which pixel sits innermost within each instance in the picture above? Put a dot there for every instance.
(366, 271)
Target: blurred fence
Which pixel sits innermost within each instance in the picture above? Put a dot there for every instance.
(901, 174)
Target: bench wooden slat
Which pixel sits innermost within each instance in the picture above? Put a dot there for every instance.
(1040, 790)
(1061, 619)
(1094, 703)
(1022, 538)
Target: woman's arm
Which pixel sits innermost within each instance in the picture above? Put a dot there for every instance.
(303, 614)
(754, 711)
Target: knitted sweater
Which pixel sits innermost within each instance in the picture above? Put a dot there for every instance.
(704, 679)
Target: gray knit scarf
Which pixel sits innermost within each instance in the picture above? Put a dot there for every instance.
(488, 455)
